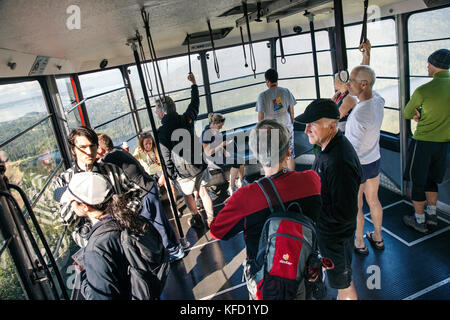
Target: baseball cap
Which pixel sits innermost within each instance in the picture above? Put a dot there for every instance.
(318, 109)
(86, 187)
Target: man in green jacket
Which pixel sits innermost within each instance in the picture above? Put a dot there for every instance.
(427, 161)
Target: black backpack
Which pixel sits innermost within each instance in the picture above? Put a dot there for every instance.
(288, 265)
(148, 262)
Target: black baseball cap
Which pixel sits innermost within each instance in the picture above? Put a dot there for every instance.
(318, 109)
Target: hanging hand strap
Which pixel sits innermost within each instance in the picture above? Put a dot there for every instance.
(216, 62)
(243, 47)
(250, 43)
(280, 38)
(363, 38)
(188, 37)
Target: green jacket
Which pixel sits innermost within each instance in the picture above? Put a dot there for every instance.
(434, 98)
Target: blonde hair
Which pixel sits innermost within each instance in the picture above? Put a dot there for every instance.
(216, 118)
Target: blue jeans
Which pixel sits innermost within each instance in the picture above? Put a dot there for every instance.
(153, 210)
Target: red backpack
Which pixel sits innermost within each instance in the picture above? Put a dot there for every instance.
(288, 265)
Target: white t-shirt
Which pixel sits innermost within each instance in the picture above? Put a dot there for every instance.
(363, 128)
(275, 103)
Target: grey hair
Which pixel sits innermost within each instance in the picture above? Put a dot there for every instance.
(269, 142)
(368, 74)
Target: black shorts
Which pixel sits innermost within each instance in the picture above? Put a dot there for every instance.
(425, 166)
(370, 170)
(340, 251)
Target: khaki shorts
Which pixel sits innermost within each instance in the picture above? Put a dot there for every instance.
(188, 185)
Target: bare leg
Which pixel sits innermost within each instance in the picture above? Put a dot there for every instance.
(233, 174)
(376, 211)
(348, 293)
(431, 198)
(207, 202)
(359, 240)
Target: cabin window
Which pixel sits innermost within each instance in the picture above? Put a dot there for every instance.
(174, 72)
(236, 84)
(68, 100)
(423, 41)
(26, 135)
(107, 105)
(297, 73)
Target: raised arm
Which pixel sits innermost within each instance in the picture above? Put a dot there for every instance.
(366, 47)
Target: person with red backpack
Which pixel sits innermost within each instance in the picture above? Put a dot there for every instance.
(283, 277)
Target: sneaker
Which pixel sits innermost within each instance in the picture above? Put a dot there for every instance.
(196, 221)
(177, 254)
(431, 219)
(410, 221)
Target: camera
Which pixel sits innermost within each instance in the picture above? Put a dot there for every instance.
(298, 29)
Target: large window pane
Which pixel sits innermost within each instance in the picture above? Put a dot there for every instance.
(300, 88)
(237, 97)
(391, 121)
(302, 43)
(429, 25)
(10, 288)
(68, 99)
(109, 106)
(419, 53)
(388, 89)
(231, 61)
(233, 120)
(383, 60)
(21, 106)
(381, 32)
(32, 158)
(174, 72)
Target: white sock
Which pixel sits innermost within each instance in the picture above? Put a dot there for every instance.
(431, 210)
(420, 218)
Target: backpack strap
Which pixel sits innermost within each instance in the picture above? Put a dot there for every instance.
(271, 193)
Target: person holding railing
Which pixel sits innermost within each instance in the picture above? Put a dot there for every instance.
(363, 131)
(215, 151)
(184, 160)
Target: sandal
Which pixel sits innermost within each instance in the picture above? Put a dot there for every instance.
(379, 245)
(362, 251)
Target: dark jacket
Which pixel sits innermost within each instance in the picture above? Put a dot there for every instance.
(105, 264)
(340, 175)
(187, 161)
(132, 168)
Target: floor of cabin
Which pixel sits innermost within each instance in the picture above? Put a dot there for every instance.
(413, 265)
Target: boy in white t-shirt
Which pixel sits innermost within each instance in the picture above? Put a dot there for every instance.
(278, 103)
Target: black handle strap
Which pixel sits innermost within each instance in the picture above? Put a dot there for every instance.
(280, 38)
(216, 62)
(243, 47)
(363, 38)
(188, 37)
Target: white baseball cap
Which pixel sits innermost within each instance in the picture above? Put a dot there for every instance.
(86, 187)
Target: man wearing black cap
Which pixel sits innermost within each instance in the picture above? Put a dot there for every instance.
(340, 173)
(430, 107)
